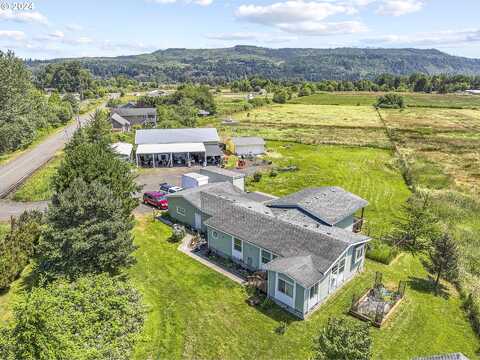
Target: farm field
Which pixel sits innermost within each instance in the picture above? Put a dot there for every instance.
(322, 124)
(312, 115)
(195, 312)
(411, 99)
(448, 140)
(367, 172)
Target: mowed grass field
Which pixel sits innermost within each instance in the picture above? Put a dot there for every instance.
(411, 99)
(196, 313)
(368, 172)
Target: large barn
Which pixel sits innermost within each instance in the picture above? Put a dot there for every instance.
(177, 147)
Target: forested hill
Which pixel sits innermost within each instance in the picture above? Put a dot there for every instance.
(214, 65)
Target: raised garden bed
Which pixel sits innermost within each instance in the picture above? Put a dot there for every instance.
(378, 303)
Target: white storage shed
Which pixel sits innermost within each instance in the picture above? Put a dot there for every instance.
(193, 180)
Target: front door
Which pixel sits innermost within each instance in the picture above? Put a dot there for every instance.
(198, 221)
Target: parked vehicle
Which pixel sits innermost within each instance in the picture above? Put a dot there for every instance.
(156, 199)
(169, 188)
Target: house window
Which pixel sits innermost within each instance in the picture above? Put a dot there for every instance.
(214, 234)
(237, 245)
(266, 257)
(181, 211)
(314, 291)
(285, 287)
(359, 253)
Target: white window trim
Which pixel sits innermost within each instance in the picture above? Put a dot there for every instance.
(181, 211)
(287, 300)
(292, 284)
(235, 253)
(357, 250)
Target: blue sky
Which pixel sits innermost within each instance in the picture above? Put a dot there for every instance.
(55, 28)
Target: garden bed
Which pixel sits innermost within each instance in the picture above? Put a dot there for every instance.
(378, 303)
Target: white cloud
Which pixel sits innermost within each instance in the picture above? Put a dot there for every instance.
(303, 17)
(400, 7)
(252, 36)
(12, 35)
(198, 2)
(74, 27)
(57, 35)
(439, 38)
(23, 16)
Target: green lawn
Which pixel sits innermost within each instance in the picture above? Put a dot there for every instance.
(38, 187)
(368, 172)
(196, 313)
(411, 99)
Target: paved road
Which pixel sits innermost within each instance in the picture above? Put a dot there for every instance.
(19, 169)
(10, 208)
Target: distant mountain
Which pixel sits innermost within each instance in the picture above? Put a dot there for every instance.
(212, 65)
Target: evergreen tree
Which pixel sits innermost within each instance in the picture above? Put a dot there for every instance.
(85, 233)
(417, 226)
(442, 259)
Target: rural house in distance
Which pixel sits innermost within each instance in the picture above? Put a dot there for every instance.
(306, 243)
(124, 118)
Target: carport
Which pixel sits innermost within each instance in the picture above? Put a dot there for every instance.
(169, 155)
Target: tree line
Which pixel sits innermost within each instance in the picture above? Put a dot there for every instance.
(24, 110)
(416, 82)
(78, 303)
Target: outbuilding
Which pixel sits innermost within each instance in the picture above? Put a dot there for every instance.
(124, 150)
(193, 180)
(216, 175)
(177, 147)
(246, 145)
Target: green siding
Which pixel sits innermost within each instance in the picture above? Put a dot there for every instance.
(189, 218)
(271, 283)
(300, 298)
(222, 244)
(251, 255)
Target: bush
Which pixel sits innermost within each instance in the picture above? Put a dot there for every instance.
(18, 246)
(96, 317)
(381, 252)
(273, 173)
(391, 101)
(178, 233)
(344, 339)
(257, 177)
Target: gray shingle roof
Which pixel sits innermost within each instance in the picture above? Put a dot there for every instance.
(135, 111)
(329, 204)
(454, 356)
(318, 248)
(169, 136)
(193, 195)
(248, 140)
(221, 171)
(119, 119)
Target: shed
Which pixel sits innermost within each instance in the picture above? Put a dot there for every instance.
(193, 180)
(216, 174)
(246, 145)
(124, 150)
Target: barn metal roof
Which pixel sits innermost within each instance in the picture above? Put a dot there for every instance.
(169, 136)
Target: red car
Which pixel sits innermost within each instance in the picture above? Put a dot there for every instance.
(156, 199)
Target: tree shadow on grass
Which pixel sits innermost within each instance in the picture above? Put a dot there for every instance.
(428, 286)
